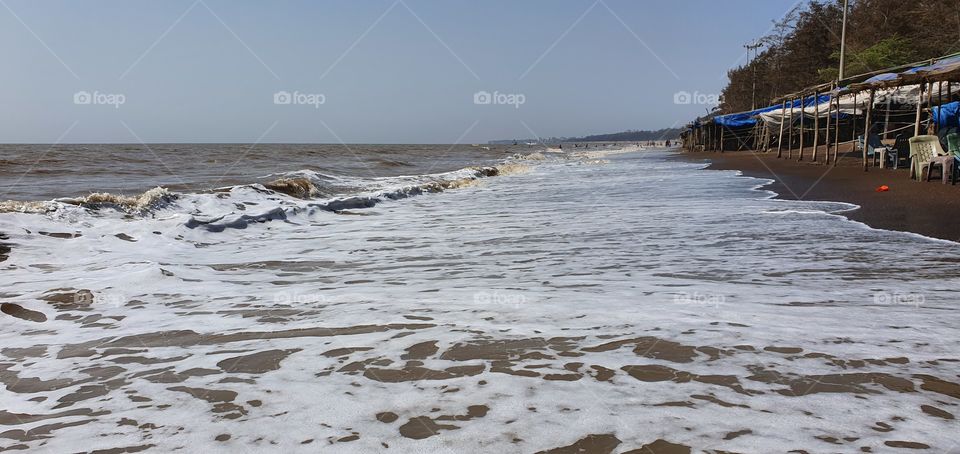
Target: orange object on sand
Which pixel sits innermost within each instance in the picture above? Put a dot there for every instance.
(883, 188)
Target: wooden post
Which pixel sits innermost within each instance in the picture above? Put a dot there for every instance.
(757, 136)
(816, 124)
(722, 143)
(826, 153)
(916, 125)
(853, 123)
(886, 119)
(803, 115)
(930, 106)
(790, 133)
(713, 137)
(866, 129)
(836, 135)
(783, 119)
(936, 124)
(766, 137)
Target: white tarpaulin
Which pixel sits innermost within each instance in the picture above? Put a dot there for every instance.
(906, 95)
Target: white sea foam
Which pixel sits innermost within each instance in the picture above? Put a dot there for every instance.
(560, 259)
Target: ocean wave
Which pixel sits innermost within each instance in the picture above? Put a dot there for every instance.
(394, 189)
(301, 188)
(149, 200)
(284, 195)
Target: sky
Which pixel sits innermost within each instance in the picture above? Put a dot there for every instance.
(363, 71)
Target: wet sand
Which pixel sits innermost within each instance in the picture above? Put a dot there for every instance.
(928, 208)
(4, 248)
(502, 317)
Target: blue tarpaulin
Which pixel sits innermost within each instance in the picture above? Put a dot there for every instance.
(742, 119)
(947, 115)
(882, 78)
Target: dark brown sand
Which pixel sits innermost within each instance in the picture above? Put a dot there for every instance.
(4, 248)
(928, 208)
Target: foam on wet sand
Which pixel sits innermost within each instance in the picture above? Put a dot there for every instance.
(564, 308)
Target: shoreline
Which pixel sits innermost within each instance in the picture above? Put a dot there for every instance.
(929, 208)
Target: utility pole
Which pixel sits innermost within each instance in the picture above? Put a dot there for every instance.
(753, 93)
(843, 38)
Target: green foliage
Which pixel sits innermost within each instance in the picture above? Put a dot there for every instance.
(803, 48)
(889, 52)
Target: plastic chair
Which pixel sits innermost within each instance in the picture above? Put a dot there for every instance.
(953, 146)
(876, 150)
(902, 147)
(922, 151)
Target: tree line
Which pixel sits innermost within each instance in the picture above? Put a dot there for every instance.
(803, 48)
(625, 136)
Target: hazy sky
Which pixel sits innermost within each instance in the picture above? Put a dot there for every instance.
(385, 71)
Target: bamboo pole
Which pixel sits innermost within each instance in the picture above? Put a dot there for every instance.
(722, 144)
(826, 153)
(816, 124)
(936, 124)
(766, 137)
(803, 115)
(866, 129)
(783, 110)
(853, 123)
(756, 137)
(790, 133)
(886, 120)
(836, 136)
(916, 125)
(929, 106)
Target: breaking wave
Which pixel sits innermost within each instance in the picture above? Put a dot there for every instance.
(283, 196)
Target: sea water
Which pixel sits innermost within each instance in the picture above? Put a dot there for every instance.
(606, 300)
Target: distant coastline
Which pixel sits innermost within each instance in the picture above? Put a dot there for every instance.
(625, 136)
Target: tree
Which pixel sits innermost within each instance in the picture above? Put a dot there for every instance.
(802, 49)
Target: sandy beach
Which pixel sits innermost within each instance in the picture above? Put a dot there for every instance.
(545, 307)
(926, 208)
